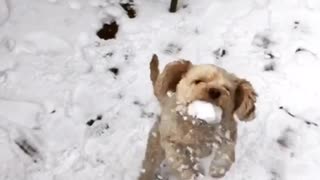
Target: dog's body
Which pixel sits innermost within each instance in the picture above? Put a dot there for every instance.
(184, 141)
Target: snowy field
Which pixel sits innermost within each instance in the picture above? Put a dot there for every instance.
(74, 106)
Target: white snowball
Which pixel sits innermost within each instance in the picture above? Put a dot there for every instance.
(205, 111)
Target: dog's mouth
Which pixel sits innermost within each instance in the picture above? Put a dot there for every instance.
(206, 111)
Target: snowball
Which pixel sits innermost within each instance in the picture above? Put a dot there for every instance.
(205, 111)
(170, 93)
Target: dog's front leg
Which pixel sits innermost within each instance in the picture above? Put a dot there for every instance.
(181, 160)
(154, 155)
(222, 161)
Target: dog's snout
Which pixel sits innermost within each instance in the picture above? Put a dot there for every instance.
(214, 93)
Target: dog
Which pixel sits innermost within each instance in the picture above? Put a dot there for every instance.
(183, 141)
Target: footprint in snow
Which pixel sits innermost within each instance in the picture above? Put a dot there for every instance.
(97, 127)
(143, 112)
(114, 71)
(43, 43)
(262, 40)
(269, 67)
(219, 53)
(97, 130)
(287, 139)
(275, 175)
(108, 31)
(7, 44)
(172, 49)
(91, 121)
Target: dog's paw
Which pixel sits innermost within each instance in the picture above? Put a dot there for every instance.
(217, 172)
(219, 166)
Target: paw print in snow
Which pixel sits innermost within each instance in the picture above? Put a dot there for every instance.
(269, 67)
(91, 121)
(114, 70)
(296, 24)
(262, 40)
(108, 31)
(172, 49)
(98, 130)
(220, 52)
(286, 140)
(108, 55)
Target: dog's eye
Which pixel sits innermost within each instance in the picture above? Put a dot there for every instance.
(197, 81)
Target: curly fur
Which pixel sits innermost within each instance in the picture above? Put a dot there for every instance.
(183, 141)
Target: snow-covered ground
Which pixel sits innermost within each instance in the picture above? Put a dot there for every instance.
(65, 115)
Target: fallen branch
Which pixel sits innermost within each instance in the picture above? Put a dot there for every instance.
(298, 117)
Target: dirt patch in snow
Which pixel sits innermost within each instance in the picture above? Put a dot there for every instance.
(108, 31)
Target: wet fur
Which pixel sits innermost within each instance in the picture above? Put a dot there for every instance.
(182, 140)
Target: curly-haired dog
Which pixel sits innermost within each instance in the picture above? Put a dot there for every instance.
(183, 141)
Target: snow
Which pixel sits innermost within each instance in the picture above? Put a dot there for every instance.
(4, 11)
(55, 78)
(205, 111)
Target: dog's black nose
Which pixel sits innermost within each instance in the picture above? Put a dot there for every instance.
(214, 93)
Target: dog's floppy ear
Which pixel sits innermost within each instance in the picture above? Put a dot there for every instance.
(169, 78)
(245, 98)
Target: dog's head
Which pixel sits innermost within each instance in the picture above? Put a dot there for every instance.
(208, 83)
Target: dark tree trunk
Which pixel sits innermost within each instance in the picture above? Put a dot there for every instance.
(173, 6)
